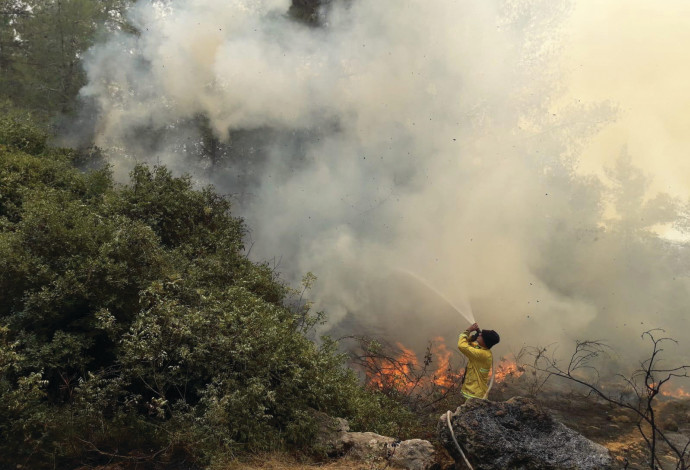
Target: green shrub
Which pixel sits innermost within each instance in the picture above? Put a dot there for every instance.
(17, 130)
(135, 323)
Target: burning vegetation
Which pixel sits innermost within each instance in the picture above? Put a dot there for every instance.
(402, 371)
(678, 392)
(397, 368)
(618, 415)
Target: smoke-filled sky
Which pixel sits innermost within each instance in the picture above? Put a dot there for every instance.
(634, 54)
(511, 153)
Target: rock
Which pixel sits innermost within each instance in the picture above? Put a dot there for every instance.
(367, 445)
(520, 435)
(329, 437)
(414, 454)
(335, 439)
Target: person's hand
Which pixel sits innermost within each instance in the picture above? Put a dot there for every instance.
(473, 327)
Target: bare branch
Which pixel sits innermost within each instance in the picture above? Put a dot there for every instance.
(646, 383)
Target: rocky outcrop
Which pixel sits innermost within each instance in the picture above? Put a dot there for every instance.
(519, 435)
(329, 438)
(366, 445)
(413, 454)
(336, 439)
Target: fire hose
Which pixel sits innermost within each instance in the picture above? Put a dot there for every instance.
(450, 428)
(452, 434)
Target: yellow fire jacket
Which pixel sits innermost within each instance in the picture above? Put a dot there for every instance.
(479, 362)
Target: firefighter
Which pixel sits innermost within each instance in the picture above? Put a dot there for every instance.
(476, 344)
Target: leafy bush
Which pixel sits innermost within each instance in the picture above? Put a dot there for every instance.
(132, 321)
(18, 130)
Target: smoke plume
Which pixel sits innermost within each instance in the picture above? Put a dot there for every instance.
(395, 138)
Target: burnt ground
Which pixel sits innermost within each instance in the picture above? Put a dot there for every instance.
(611, 426)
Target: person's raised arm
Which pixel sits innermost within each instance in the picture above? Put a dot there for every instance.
(464, 342)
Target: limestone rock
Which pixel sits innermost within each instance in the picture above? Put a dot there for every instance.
(519, 435)
(328, 439)
(414, 454)
(334, 438)
(367, 445)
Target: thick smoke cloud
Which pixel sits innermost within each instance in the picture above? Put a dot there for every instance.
(398, 138)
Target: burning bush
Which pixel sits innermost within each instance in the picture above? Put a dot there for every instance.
(427, 385)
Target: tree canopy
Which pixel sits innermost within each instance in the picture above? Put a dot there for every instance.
(42, 43)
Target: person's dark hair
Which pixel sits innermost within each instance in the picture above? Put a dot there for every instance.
(490, 337)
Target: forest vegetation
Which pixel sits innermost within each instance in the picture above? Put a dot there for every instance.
(131, 320)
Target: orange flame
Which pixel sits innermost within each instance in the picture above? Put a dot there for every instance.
(403, 373)
(676, 393)
(393, 374)
(444, 376)
(507, 368)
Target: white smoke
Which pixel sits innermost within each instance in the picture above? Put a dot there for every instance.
(401, 136)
